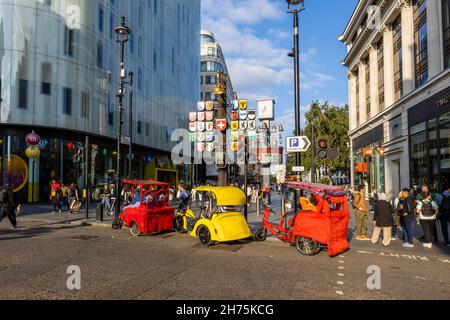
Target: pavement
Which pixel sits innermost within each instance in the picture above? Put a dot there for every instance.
(114, 265)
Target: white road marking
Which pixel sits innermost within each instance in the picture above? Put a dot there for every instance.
(341, 261)
(340, 274)
(339, 293)
(341, 267)
(340, 283)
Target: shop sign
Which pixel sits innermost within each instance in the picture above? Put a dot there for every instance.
(368, 152)
(442, 102)
(362, 167)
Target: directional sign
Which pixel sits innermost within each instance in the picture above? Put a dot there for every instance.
(298, 169)
(297, 144)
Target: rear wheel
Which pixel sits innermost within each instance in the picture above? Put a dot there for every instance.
(204, 235)
(134, 229)
(178, 223)
(117, 224)
(260, 234)
(306, 246)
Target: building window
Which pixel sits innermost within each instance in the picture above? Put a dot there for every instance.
(23, 94)
(420, 42)
(131, 43)
(139, 127)
(380, 74)
(111, 26)
(46, 79)
(154, 60)
(110, 114)
(155, 7)
(69, 36)
(67, 101)
(85, 102)
(446, 31)
(210, 79)
(395, 128)
(147, 129)
(398, 60)
(367, 75)
(101, 14)
(99, 55)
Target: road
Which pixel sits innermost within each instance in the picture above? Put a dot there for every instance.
(35, 258)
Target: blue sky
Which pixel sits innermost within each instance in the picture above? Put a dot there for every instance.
(256, 35)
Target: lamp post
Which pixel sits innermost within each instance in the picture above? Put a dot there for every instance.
(123, 33)
(220, 89)
(295, 7)
(130, 125)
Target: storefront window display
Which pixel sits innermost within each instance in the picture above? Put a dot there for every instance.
(370, 168)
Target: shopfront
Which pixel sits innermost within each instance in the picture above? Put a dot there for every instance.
(429, 138)
(368, 157)
(61, 158)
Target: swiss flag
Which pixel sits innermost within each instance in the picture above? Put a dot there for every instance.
(221, 124)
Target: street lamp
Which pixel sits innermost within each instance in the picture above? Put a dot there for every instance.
(294, 7)
(123, 33)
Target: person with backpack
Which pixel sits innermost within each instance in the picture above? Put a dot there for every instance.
(424, 192)
(8, 205)
(383, 220)
(443, 202)
(427, 211)
(405, 209)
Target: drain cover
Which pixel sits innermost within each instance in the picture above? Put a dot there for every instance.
(84, 237)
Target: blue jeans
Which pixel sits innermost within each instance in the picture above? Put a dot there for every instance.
(408, 231)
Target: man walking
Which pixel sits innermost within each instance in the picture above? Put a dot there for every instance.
(427, 210)
(362, 210)
(405, 210)
(8, 205)
(443, 202)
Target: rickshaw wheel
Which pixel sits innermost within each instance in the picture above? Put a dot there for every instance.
(134, 229)
(306, 246)
(178, 223)
(260, 234)
(117, 224)
(204, 235)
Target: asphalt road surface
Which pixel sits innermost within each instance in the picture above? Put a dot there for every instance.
(34, 261)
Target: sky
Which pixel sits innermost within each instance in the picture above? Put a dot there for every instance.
(256, 35)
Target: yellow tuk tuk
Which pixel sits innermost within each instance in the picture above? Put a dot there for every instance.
(220, 218)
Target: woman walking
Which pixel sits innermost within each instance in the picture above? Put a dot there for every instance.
(55, 196)
(384, 220)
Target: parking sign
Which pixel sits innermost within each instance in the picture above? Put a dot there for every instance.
(297, 144)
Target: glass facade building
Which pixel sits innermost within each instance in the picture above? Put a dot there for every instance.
(59, 76)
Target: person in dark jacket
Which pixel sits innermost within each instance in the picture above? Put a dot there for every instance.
(8, 205)
(406, 209)
(383, 219)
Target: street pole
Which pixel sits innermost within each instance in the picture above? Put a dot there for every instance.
(222, 114)
(122, 32)
(86, 178)
(246, 177)
(130, 126)
(295, 53)
(313, 153)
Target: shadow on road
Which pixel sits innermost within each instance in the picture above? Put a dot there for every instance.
(31, 232)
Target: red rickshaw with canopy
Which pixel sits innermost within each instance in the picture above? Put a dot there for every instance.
(150, 211)
(322, 224)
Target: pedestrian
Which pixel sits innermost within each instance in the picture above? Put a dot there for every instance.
(105, 195)
(8, 205)
(65, 196)
(249, 193)
(427, 210)
(383, 219)
(443, 202)
(424, 192)
(55, 196)
(396, 215)
(73, 198)
(362, 211)
(405, 209)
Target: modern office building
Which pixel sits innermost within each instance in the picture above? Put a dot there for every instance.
(59, 77)
(212, 63)
(399, 90)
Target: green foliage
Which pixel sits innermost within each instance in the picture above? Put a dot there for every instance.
(330, 123)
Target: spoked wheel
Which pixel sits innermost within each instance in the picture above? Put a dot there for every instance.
(134, 229)
(178, 224)
(260, 234)
(117, 224)
(204, 235)
(306, 246)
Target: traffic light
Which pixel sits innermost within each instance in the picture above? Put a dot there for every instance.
(323, 149)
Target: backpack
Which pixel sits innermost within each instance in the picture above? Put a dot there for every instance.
(4, 197)
(444, 208)
(427, 209)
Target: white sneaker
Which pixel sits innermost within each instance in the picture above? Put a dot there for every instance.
(408, 245)
(428, 245)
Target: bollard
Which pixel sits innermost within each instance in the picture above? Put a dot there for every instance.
(99, 211)
(257, 206)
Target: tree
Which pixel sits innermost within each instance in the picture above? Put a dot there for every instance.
(330, 123)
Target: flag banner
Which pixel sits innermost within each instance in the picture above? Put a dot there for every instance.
(201, 116)
(201, 136)
(243, 104)
(209, 126)
(192, 116)
(251, 114)
(201, 147)
(201, 106)
(209, 115)
(221, 124)
(243, 114)
(210, 147)
(209, 136)
(251, 135)
(234, 146)
(243, 125)
(235, 125)
(192, 137)
(234, 115)
(235, 104)
(192, 126)
(200, 126)
(251, 125)
(209, 106)
(235, 136)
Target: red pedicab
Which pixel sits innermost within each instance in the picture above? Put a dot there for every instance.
(151, 213)
(316, 227)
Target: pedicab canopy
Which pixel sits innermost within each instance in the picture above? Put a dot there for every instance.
(145, 183)
(225, 196)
